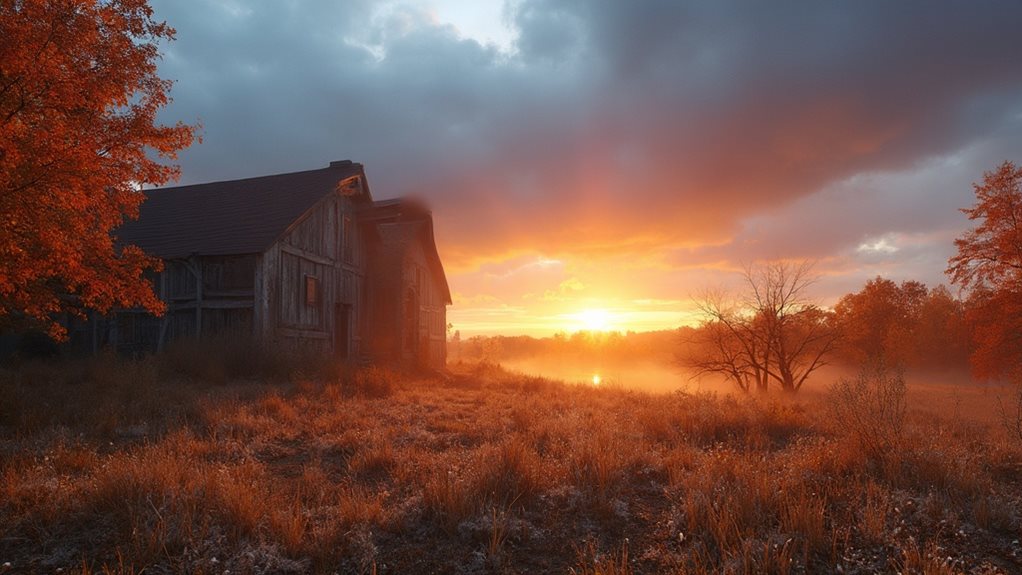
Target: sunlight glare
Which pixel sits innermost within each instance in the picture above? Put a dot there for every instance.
(594, 320)
(597, 379)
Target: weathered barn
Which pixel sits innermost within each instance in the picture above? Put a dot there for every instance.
(409, 306)
(304, 259)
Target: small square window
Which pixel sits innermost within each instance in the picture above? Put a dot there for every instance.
(311, 291)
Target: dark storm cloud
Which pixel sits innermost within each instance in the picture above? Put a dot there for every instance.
(612, 125)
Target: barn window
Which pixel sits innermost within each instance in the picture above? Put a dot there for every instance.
(311, 291)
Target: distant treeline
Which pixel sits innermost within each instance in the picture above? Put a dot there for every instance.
(906, 324)
(656, 345)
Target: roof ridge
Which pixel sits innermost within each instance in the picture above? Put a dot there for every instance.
(231, 216)
(338, 166)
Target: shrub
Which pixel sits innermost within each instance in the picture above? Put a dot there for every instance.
(871, 407)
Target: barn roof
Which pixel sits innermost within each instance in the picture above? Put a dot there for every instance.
(232, 217)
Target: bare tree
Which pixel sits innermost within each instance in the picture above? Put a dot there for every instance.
(771, 332)
(727, 344)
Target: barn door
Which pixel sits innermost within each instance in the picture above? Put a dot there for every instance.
(342, 330)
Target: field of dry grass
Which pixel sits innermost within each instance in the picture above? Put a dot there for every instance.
(123, 467)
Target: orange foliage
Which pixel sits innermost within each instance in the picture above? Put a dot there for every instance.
(878, 321)
(79, 96)
(990, 255)
(902, 325)
(989, 262)
(996, 321)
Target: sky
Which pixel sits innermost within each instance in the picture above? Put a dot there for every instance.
(596, 164)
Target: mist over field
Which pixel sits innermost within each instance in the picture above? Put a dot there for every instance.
(653, 376)
(645, 361)
(644, 375)
(638, 361)
(649, 363)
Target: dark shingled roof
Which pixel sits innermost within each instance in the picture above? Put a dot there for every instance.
(229, 218)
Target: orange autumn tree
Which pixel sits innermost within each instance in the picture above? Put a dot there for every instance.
(79, 96)
(989, 265)
(878, 322)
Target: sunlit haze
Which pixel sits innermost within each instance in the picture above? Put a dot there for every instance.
(511, 286)
(594, 165)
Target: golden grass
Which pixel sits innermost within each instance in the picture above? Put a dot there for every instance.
(124, 467)
(592, 562)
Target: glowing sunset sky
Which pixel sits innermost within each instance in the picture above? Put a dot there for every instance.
(595, 163)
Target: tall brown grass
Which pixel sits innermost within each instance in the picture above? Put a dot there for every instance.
(120, 467)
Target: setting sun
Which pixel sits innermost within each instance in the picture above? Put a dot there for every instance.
(593, 320)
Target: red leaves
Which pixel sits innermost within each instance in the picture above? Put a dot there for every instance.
(79, 96)
(990, 255)
(989, 263)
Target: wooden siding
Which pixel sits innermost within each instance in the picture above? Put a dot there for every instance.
(408, 307)
(205, 296)
(431, 325)
(314, 247)
(263, 295)
(216, 293)
(295, 311)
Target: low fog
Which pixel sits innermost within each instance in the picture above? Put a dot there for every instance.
(644, 375)
(649, 362)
